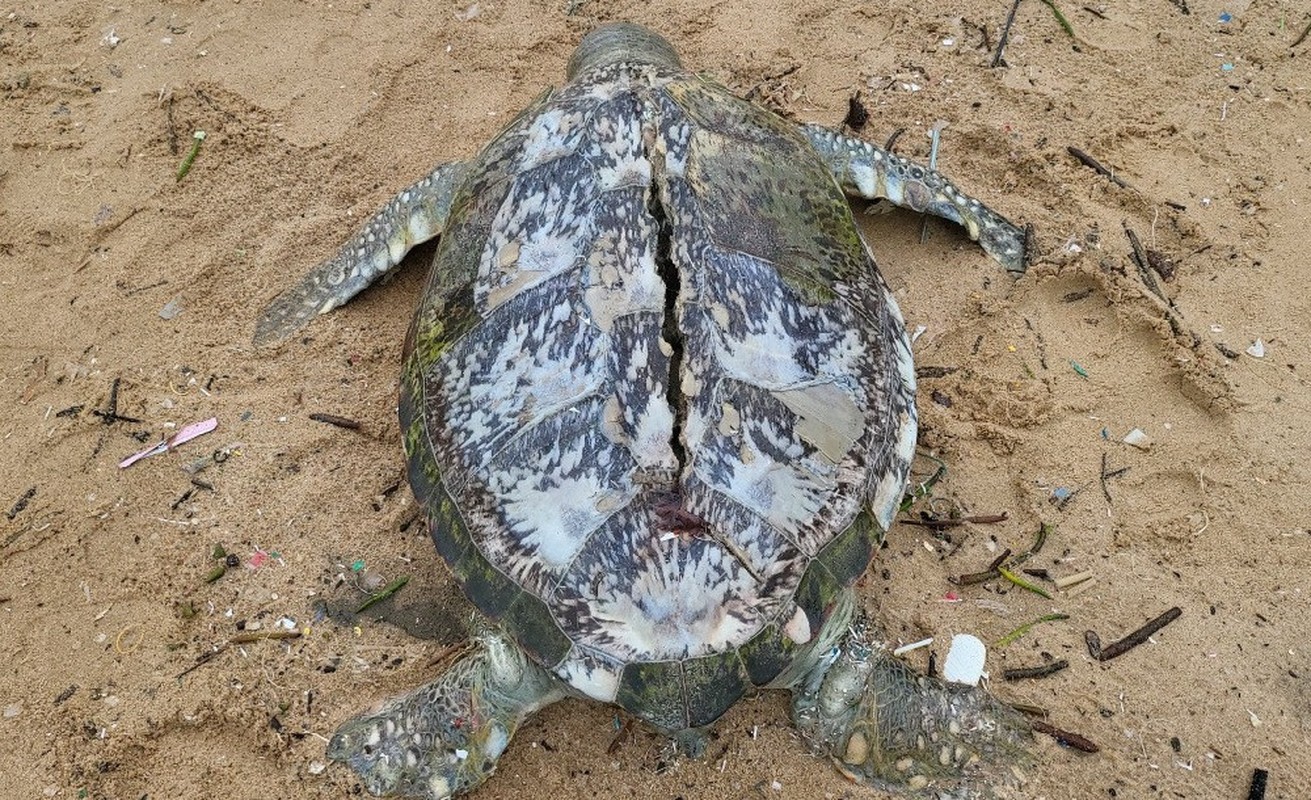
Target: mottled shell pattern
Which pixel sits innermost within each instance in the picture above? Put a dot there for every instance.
(657, 399)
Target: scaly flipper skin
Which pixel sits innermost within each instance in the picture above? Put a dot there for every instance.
(445, 738)
(865, 170)
(885, 725)
(412, 217)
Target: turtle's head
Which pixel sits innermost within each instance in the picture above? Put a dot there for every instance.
(619, 42)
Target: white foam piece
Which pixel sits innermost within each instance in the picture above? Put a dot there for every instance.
(965, 660)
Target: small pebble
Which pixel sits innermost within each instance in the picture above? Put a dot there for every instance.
(1137, 438)
(12, 710)
(171, 309)
(317, 767)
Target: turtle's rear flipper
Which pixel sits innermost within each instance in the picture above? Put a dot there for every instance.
(412, 217)
(866, 170)
(885, 725)
(444, 738)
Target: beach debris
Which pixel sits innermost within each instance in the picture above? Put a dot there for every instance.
(1078, 369)
(995, 569)
(1080, 588)
(187, 433)
(316, 767)
(110, 415)
(387, 591)
(1045, 529)
(171, 309)
(1107, 474)
(1256, 791)
(333, 419)
(1131, 641)
(219, 456)
(982, 576)
(1301, 37)
(998, 57)
(857, 114)
(1139, 439)
(21, 503)
(1226, 351)
(245, 637)
(1060, 18)
(1071, 740)
(185, 166)
(1096, 166)
(928, 520)
(1256, 349)
(1028, 626)
(260, 558)
(1072, 580)
(129, 638)
(1024, 584)
(906, 648)
(965, 660)
(1160, 264)
(1041, 671)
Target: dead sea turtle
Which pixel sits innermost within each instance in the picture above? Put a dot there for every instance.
(659, 406)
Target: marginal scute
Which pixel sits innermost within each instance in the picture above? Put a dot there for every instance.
(712, 684)
(817, 594)
(654, 691)
(847, 556)
(767, 654)
(532, 625)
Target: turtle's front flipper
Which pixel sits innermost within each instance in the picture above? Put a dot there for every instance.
(445, 738)
(865, 170)
(414, 216)
(883, 724)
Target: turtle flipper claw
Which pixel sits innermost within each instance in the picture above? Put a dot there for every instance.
(413, 216)
(865, 170)
(444, 738)
(884, 725)
(402, 750)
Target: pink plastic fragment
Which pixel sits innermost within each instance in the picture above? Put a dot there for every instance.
(187, 433)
